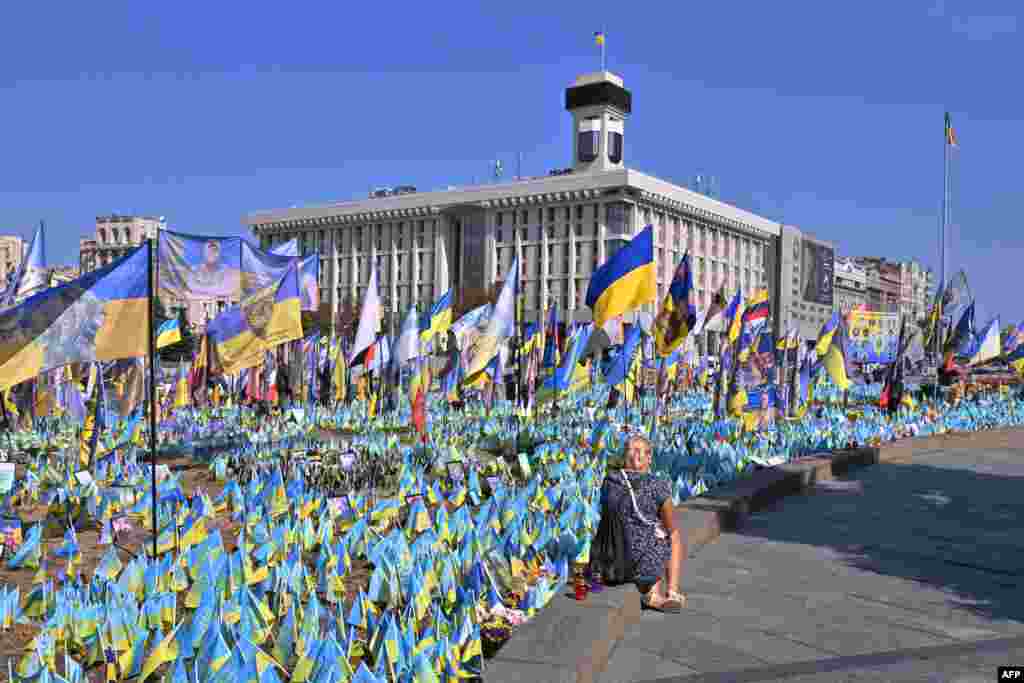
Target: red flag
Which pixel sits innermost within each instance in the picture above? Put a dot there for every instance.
(419, 412)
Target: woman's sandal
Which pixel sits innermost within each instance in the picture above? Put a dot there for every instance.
(667, 605)
(674, 602)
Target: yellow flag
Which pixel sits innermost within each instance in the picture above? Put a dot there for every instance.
(836, 367)
(164, 653)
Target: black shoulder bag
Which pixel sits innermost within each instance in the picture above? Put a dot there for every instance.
(609, 552)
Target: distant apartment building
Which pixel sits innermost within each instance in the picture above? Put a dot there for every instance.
(851, 285)
(916, 284)
(115, 236)
(12, 251)
(802, 281)
(883, 283)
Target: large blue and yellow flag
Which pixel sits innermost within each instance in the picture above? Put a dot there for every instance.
(103, 315)
(678, 315)
(626, 281)
(242, 334)
(169, 333)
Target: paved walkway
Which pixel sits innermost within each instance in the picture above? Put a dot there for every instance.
(900, 572)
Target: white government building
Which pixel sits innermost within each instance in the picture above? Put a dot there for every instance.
(566, 225)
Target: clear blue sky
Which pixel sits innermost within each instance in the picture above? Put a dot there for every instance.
(822, 115)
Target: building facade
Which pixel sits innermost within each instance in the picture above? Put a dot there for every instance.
(12, 251)
(851, 285)
(561, 226)
(916, 284)
(802, 283)
(114, 237)
(883, 283)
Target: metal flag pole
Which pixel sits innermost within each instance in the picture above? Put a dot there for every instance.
(151, 275)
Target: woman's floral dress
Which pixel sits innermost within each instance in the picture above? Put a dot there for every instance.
(649, 553)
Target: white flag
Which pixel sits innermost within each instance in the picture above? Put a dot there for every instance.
(369, 318)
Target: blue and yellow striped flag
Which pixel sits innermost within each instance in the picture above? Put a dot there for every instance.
(626, 281)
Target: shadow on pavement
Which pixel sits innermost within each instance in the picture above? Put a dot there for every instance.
(943, 524)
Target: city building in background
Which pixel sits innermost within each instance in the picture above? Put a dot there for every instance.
(851, 285)
(12, 251)
(115, 236)
(916, 285)
(883, 283)
(802, 282)
(562, 225)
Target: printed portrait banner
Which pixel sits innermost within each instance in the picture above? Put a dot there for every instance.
(873, 337)
(260, 269)
(195, 267)
(103, 315)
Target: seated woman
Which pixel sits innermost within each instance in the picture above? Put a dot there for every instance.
(654, 545)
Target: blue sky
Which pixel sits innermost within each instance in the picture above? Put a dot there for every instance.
(822, 115)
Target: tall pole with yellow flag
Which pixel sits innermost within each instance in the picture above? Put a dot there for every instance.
(150, 277)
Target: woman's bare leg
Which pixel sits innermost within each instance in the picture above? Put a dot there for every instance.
(675, 562)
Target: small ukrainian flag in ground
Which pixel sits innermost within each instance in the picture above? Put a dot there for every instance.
(169, 333)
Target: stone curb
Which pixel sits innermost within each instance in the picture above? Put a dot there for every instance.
(571, 641)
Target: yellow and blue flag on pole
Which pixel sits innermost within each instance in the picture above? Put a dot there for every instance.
(828, 330)
(834, 358)
(169, 333)
(242, 333)
(103, 315)
(734, 316)
(500, 328)
(626, 281)
(678, 315)
(440, 317)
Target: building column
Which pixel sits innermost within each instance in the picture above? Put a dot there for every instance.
(441, 276)
(335, 234)
(415, 265)
(572, 269)
(545, 268)
(353, 273)
(602, 232)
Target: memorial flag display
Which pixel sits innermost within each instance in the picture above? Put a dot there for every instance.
(103, 315)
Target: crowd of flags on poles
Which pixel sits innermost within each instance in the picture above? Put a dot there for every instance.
(248, 354)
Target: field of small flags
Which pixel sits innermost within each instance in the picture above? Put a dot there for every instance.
(339, 547)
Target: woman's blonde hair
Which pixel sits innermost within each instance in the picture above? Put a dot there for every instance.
(637, 436)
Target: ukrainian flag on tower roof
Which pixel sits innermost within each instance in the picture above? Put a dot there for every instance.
(626, 281)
